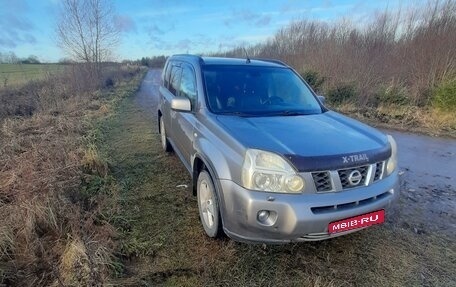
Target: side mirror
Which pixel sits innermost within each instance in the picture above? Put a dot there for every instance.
(322, 99)
(181, 104)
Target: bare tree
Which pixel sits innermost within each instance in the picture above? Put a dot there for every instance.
(86, 31)
(8, 58)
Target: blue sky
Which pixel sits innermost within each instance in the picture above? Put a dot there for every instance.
(156, 27)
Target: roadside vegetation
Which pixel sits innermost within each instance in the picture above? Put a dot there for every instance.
(55, 195)
(397, 70)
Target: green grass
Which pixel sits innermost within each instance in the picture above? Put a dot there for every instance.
(12, 75)
(161, 242)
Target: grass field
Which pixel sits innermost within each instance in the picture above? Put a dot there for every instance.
(163, 244)
(12, 75)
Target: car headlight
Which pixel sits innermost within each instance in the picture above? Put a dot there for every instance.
(392, 161)
(266, 171)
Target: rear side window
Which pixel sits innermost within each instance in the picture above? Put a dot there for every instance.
(188, 84)
(166, 75)
(174, 79)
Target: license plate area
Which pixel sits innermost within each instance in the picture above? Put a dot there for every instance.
(359, 221)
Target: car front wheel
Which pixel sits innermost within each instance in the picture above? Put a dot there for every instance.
(208, 205)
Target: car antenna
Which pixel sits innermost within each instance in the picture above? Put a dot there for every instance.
(246, 55)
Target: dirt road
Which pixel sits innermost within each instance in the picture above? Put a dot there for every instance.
(163, 242)
(428, 199)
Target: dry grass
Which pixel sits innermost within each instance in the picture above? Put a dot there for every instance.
(58, 94)
(93, 162)
(407, 118)
(52, 231)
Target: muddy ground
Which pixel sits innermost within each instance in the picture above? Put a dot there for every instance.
(428, 199)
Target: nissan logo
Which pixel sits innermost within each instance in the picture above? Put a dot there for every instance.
(355, 177)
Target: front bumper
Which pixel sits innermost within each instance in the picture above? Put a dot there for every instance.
(299, 217)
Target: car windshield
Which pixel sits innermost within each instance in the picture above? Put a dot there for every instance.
(257, 91)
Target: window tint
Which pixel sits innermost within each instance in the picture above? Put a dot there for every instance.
(260, 91)
(174, 79)
(188, 84)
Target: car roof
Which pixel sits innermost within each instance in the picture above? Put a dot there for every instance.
(230, 61)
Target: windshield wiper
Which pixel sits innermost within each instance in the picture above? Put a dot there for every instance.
(287, 113)
(239, 114)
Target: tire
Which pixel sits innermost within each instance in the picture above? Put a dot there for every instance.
(163, 138)
(208, 206)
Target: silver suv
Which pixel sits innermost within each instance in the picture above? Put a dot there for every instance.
(269, 162)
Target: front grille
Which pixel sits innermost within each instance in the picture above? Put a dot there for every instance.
(378, 171)
(349, 205)
(322, 181)
(338, 180)
(345, 174)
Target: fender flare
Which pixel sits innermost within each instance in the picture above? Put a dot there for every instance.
(214, 162)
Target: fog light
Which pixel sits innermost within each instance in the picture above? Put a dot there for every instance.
(263, 216)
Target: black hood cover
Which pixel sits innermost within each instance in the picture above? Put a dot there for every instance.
(333, 162)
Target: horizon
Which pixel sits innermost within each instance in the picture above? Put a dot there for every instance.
(155, 28)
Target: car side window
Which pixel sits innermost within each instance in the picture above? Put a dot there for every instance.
(167, 74)
(188, 84)
(174, 80)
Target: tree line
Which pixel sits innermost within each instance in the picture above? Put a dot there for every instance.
(151, 62)
(11, 58)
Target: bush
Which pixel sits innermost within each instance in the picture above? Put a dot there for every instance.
(391, 95)
(342, 93)
(314, 79)
(444, 96)
(22, 101)
(109, 83)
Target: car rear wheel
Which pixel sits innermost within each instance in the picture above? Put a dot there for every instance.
(208, 206)
(164, 140)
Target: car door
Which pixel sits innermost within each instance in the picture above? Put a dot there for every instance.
(172, 88)
(166, 96)
(184, 122)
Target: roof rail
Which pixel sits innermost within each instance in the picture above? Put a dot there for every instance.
(271, 61)
(200, 59)
(187, 55)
